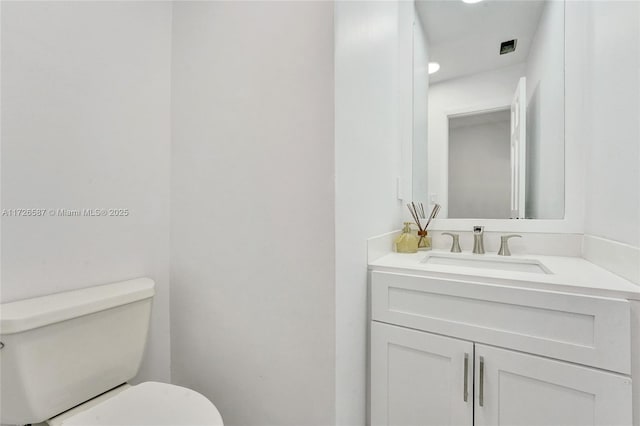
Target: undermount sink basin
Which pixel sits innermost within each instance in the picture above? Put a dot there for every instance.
(486, 262)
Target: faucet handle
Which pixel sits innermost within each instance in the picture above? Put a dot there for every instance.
(455, 243)
(504, 244)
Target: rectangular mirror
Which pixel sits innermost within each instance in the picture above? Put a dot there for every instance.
(488, 134)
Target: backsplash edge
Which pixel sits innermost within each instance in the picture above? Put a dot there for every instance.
(618, 258)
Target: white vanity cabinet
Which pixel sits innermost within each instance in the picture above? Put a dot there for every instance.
(420, 378)
(523, 389)
(454, 352)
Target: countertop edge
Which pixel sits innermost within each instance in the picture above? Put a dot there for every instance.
(517, 282)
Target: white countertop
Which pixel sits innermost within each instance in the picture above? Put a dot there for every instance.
(569, 274)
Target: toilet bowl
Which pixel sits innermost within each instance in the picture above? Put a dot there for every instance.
(66, 359)
(146, 404)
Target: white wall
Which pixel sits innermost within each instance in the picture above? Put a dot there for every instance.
(252, 210)
(420, 172)
(545, 116)
(480, 166)
(466, 94)
(368, 159)
(613, 129)
(85, 124)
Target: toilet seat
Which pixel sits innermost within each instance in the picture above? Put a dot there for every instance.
(150, 404)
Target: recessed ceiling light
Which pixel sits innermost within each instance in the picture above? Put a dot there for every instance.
(471, 1)
(433, 67)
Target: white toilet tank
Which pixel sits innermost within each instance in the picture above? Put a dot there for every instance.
(66, 348)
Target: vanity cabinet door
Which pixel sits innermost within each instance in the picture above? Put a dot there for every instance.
(512, 388)
(418, 378)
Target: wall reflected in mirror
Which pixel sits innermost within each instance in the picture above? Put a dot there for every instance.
(488, 139)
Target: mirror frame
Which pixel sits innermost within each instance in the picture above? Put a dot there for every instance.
(575, 29)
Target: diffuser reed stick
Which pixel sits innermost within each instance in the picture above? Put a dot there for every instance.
(417, 213)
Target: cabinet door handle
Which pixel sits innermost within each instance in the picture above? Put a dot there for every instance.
(465, 393)
(481, 393)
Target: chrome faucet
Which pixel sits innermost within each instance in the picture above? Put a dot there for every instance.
(455, 242)
(478, 239)
(504, 244)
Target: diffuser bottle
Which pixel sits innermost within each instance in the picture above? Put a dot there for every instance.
(424, 240)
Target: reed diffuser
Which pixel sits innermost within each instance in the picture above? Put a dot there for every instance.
(419, 217)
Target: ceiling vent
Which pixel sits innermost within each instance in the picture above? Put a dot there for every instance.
(508, 46)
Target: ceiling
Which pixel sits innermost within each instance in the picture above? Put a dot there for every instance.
(465, 38)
